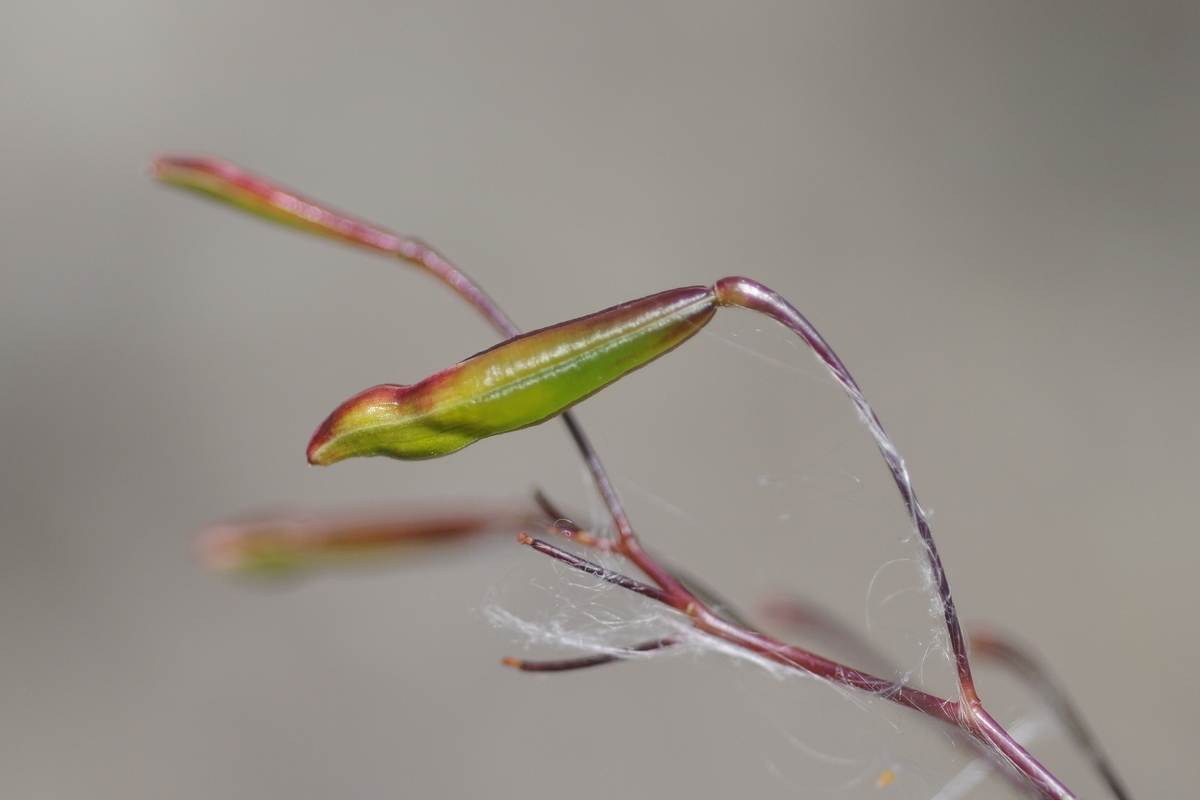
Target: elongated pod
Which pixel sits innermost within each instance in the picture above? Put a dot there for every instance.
(289, 543)
(227, 183)
(524, 381)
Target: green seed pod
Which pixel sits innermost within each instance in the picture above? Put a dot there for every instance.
(521, 382)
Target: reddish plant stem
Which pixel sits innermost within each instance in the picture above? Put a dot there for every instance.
(992, 645)
(971, 718)
(788, 655)
(967, 714)
(751, 295)
(808, 618)
(978, 722)
(567, 664)
(583, 565)
(805, 616)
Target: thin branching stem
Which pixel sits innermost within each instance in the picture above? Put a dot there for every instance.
(566, 664)
(707, 621)
(968, 714)
(260, 196)
(801, 615)
(607, 575)
(974, 721)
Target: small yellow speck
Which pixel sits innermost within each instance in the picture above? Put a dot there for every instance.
(885, 778)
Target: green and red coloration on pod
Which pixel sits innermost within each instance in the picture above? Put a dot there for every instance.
(538, 376)
(231, 184)
(526, 380)
(227, 183)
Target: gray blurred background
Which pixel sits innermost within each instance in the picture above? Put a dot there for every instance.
(992, 213)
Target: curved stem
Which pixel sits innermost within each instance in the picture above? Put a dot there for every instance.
(751, 295)
(967, 713)
(249, 192)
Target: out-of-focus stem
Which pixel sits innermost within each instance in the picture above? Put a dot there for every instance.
(584, 662)
(808, 618)
(288, 543)
(991, 645)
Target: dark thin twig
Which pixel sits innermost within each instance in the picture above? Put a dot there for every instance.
(589, 661)
(548, 506)
(607, 575)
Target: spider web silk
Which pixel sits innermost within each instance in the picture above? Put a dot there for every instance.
(744, 465)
